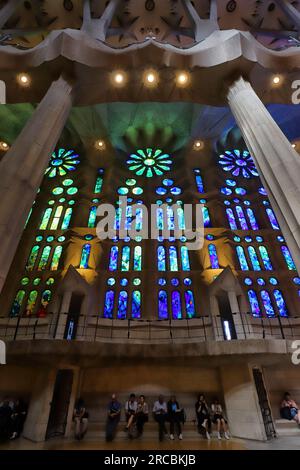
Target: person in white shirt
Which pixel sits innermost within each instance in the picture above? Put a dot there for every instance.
(130, 411)
(218, 418)
(160, 412)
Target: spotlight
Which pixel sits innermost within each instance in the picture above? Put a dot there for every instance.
(182, 79)
(276, 80)
(23, 79)
(100, 144)
(119, 78)
(198, 145)
(150, 78)
(4, 146)
(294, 146)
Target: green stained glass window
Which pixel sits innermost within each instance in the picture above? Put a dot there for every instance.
(50, 281)
(62, 199)
(137, 191)
(125, 258)
(67, 182)
(57, 191)
(62, 161)
(137, 259)
(130, 182)
(39, 238)
(98, 185)
(67, 218)
(46, 297)
(149, 162)
(32, 257)
(17, 304)
(136, 281)
(56, 218)
(51, 202)
(85, 254)
(44, 258)
(92, 217)
(25, 281)
(50, 239)
(71, 202)
(61, 239)
(55, 258)
(31, 302)
(45, 219)
(72, 190)
(36, 281)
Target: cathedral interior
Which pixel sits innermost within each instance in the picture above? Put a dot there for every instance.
(163, 103)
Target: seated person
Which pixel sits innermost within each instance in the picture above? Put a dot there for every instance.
(17, 419)
(130, 411)
(175, 415)
(218, 418)
(142, 413)
(203, 416)
(5, 418)
(160, 413)
(289, 409)
(81, 419)
(113, 417)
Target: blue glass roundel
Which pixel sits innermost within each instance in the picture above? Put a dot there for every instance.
(262, 191)
(167, 182)
(230, 182)
(161, 191)
(124, 282)
(162, 282)
(247, 203)
(169, 199)
(209, 237)
(259, 239)
(187, 281)
(226, 191)
(296, 281)
(237, 239)
(248, 281)
(122, 191)
(280, 239)
(227, 203)
(175, 282)
(111, 281)
(273, 281)
(175, 191)
(248, 239)
(240, 191)
(260, 281)
(238, 163)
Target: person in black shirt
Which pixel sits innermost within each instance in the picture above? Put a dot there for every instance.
(175, 417)
(203, 416)
(17, 419)
(113, 417)
(81, 419)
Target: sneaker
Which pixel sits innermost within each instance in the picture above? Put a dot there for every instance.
(226, 436)
(207, 436)
(172, 437)
(219, 436)
(180, 436)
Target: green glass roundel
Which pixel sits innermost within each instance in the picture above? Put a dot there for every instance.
(137, 191)
(62, 199)
(149, 162)
(25, 281)
(39, 238)
(123, 191)
(88, 237)
(130, 182)
(72, 190)
(136, 281)
(57, 191)
(50, 281)
(51, 202)
(67, 182)
(61, 239)
(50, 239)
(96, 200)
(36, 281)
(71, 202)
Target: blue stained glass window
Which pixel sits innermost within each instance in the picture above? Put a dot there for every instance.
(272, 219)
(241, 217)
(288, 258)
(16, 307)
(109, 304)
(85, 254)
(162, 305)
(159, 219)
(122, 305)
(206, 217)
(281, 305)
(92, 217)
(136, 304)
(139, 219)
(128, 217)
(252, 219)
(125, 258)
(161, 258)
(231, 219)
(180, 216)
(254, 259)
(265, 296)
(67, 218)
(113, 260)
(176, 305)
(213, 256)
(137, 258)
(32, 257)
(173, 258)
(44, 258)
(242, 258)
(199, 183)
(185, 261)
(265, 257)
(189, 304)
(45, 219)
(170, 217)
(254, 303)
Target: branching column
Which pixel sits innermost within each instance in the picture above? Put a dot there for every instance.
(277, 162)
(24, 165)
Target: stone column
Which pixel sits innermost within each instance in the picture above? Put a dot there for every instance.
(276, 160)
(24, 165)
(7, 11)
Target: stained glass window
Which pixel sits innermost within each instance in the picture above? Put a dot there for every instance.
(45, 219)
(231, 219)
(125, 258)
(55, 258)
(281, 305)
(138, 219)
(136, 304)
(32, 257)
(118, 216)
(272, 218)
(252, 219)
(239, 163)
(254, 259)
(199, 182)
(170, 218)
(159, 218)
(213, 256)
(61, 162)
(16, 307)
(161, 258)
(173, 258)
(67, 218)
(242, 258)
(185, 261)
(44, 258)
(149, 162)
(265, 257)
(265, 296)
(181, 220)
(288, 258)
(85, 254)
(55, 220)
(176, 305)
(137, 258)
(31, 302)
(189, 304)
(122, 305)
(98, 185)
(254, 303)
(206, 217)
(241, 217)
(162, 305)
(109, 304)
(113, 259)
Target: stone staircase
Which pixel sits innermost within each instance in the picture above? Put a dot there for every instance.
(285, 428)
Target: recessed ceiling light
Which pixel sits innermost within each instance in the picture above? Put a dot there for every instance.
(276, 80)
(198, 145)
(23, 79)
(119, 78)
(182, 79)
(4, 145)
(100, 144)
(150, 78)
